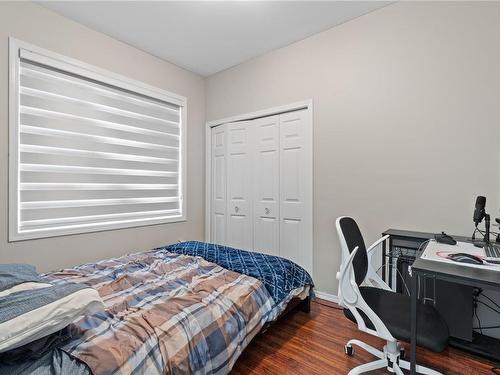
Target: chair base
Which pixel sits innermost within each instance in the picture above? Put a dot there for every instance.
(390, 358)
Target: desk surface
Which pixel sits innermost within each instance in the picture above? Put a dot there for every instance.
(418, 235)
(458, 273)
(408, 234)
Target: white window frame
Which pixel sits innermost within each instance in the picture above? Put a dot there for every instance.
(52, 59)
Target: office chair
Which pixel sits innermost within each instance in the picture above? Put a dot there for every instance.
(368, 301)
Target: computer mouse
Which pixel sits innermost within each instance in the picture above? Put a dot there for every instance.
(465, 258)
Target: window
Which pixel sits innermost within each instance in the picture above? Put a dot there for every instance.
(89, 150)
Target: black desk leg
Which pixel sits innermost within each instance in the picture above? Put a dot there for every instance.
(413, 322)
(389, 282)
(383, 260)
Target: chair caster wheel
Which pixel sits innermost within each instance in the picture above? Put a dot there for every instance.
(349, 350)
(402, 353)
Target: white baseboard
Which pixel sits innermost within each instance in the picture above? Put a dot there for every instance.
(327, 296)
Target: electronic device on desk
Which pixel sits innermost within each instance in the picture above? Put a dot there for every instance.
(491, 250)
(465, 258)
(445, 238)
(498, 225)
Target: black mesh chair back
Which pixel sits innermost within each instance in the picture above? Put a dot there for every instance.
(353, 238)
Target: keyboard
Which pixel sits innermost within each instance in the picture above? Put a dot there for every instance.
(492, 251)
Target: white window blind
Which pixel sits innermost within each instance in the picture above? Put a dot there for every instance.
(91, 151)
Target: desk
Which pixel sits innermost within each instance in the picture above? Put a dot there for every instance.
(456, 273)
(403, 243)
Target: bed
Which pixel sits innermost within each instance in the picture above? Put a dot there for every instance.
(190, 307)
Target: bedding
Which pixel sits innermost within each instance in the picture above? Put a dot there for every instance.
(166, 313)
(22, 287)
(30, 310)
(280, 276)
(15, 274)
(43, 357)
(32, 314)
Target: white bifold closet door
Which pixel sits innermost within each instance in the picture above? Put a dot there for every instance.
(239, 185)
(261, 189)
(218, 188)
(266, 172)
(296, 188)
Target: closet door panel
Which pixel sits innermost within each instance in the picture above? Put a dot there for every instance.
(239, 186)
(296, 188)
(266, 185)
(219, 204)
(291, 231)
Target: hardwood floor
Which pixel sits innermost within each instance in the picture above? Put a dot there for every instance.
(310, 344)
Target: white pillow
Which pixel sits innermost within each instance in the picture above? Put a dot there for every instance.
(48, 319)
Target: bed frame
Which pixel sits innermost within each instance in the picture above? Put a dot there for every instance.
(303, 305)
(295, 304)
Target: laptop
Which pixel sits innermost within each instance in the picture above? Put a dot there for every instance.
(492, 252)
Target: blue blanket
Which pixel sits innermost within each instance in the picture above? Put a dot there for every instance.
(14, 274)
(280, 276)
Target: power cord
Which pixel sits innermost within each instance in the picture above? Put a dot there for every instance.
(417, 254)
(482, 233)
(487, 327)
(489, 299)
(476, 293)
(419, 250)
(488, 306)
(478, 320)
(403, 280)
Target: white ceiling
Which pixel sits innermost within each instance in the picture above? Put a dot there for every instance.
(209, 36)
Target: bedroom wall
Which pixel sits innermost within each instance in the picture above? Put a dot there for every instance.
(34, 24)
(406, 117)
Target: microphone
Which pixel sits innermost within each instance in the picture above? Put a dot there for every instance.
(479, 212)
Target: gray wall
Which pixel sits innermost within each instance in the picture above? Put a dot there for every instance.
(406, 117)
(34, 24)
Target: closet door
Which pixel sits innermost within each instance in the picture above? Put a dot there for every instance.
(239, 185)
(266, 173)
(218, 190)
(296, 188)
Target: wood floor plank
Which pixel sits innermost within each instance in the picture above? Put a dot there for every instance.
(313, 344)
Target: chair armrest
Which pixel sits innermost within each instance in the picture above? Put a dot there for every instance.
(372, 278)
(376, 243)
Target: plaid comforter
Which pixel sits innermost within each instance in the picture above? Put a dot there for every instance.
(280, 276)
(166, 313)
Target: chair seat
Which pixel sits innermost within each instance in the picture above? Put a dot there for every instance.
(394, 311)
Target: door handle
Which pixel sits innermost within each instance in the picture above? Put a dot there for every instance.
(267, 211)
(236, 209)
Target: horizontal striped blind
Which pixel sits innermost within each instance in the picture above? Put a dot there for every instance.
(92, 155)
